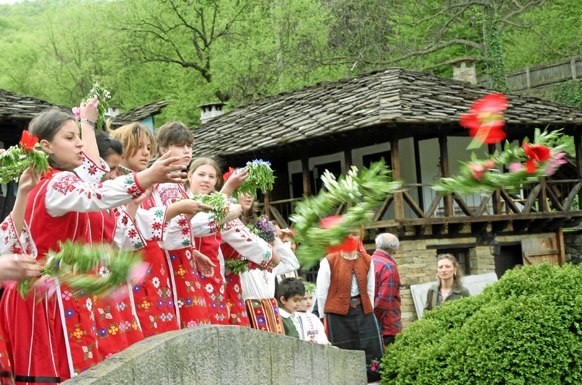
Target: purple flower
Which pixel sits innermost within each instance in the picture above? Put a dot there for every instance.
(265, 229)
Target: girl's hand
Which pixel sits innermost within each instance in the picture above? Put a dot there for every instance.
(28, 180)
(17, 267)
(234, 181)
(203, 264)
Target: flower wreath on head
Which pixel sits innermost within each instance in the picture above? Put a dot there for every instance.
(75, 265)
(103, 95)
(260, 177)
(360, 192)
(15, 160)
(510, 168)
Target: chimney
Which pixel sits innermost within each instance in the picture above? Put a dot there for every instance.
(464, 70)
(210, 110)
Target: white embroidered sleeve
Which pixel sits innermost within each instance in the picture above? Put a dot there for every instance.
(15, 243)
(248, 244)
(322, 283)
(289, 261)
(150, 223)
(67, 192)
(177, 234)
(89, 171)
(126, 235)
(203, 224)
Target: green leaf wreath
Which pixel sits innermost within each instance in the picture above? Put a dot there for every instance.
(360, 192)
(15, 160)
(76, 265)
(260, 177)
(510, 168)
(103, 95)
(218, 201)
(236, 266)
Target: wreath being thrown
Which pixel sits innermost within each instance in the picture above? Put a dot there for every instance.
(75, 265)
(359, 192)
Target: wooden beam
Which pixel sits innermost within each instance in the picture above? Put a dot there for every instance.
(347, 160)
(306, 177)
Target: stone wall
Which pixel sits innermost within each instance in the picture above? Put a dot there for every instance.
(227, 355)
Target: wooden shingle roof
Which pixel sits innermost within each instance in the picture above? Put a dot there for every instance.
(139, 113)
(407, 103)
(18, 107)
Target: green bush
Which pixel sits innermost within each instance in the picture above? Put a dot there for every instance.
(524, 329)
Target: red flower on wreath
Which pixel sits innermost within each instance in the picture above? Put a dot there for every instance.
(227, 174)
(349, 244)
(485, 120)
(536, 154)
(28, 141)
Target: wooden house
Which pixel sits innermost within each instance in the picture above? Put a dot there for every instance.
(16, 111)
(411, 120)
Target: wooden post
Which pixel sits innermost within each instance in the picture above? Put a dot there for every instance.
(561, 247)
(418, 173)
(444, 157)
(306, 177)
(496, 197)
(398, 197)
(347, 160)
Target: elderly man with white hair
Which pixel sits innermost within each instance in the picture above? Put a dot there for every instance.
(387, 290)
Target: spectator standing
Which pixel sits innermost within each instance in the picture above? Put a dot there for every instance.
(387, 289)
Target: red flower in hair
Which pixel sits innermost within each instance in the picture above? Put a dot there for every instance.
(227, 174)
(28, 141)
(536, 154)
(485, 120)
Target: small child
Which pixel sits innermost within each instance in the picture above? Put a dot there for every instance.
(290, 293)
(310, 327)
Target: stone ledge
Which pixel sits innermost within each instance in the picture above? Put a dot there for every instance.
(227, 355)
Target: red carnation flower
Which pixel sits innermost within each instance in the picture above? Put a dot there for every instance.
(28, 141)
(536, 154)
(227, 174)
(485, 120)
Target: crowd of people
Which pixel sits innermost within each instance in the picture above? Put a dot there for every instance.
(135, 191)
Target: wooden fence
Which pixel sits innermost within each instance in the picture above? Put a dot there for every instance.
(529, 78)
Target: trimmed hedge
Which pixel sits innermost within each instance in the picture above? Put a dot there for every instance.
(524, 329)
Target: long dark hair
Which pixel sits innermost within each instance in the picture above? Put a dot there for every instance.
(46, 125)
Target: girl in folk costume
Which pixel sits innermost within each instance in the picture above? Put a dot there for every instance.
(345, 296)
(14, 264)
(159, 223)
(258, 283)
(202, 178)
(240, 244)
(184, 260)
(116, 321)
(53, 337)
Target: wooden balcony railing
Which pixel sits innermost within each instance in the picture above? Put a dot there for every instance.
(419, 204)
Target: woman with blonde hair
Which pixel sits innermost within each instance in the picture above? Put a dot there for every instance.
(449, 286)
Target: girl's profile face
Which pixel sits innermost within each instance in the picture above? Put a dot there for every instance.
(138, 161)
(66, 146)
(203, 179)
